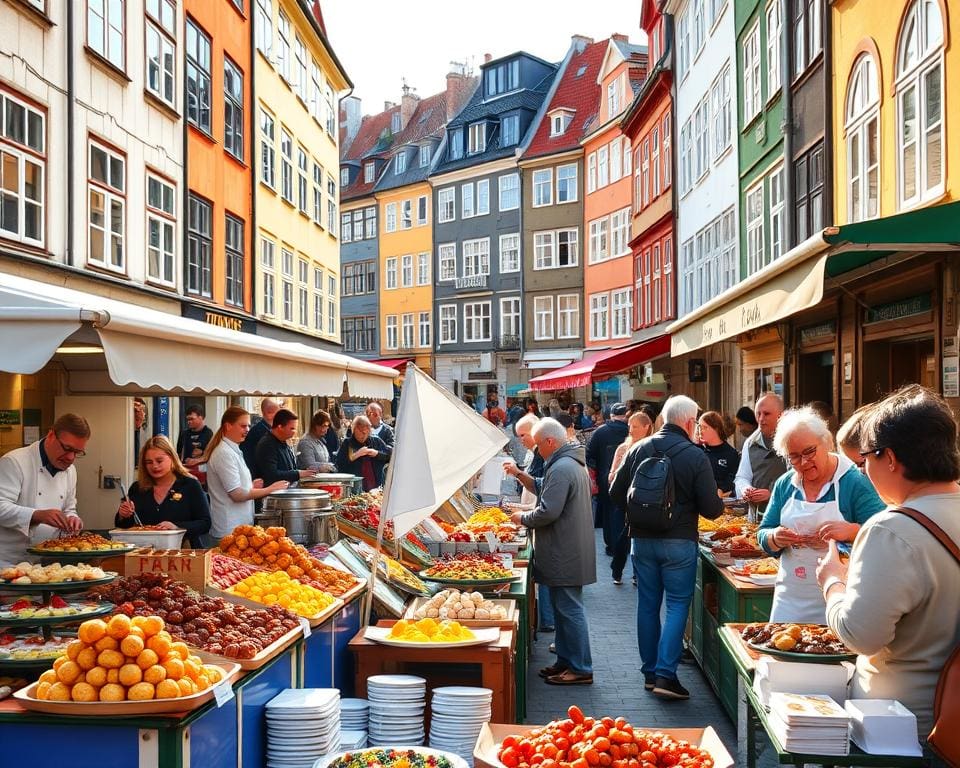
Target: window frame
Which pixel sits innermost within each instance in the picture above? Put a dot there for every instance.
(542, 178)
(568, 317)
(446, 205)
(202, 267)
(477, 321)
(103, 49)
(568, 183)
(448, 323)
(164, 219)
(391, 272)
(163, 35)
(752, 83)
(858, 121)
(507, 267)
(111, 195)
(514, 190)
(543, 319)
(195, 117)
(233, 112)
(24, 151)
(234, 260)
(446, 255)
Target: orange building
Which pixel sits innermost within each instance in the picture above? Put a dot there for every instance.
(218, 227)
(608, 275)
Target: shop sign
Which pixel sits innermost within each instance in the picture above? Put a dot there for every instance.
(823, 330)
(895, 310)
(219, 319)
(482, 375)
(9, 417)
(468, 359)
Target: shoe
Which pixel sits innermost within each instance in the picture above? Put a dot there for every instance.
(618, 580)
(687, 657)
(569, 677)
(649, 682)
(553, 669)
(552, 648)
(668, 688)
(634, 581)
(549, 628)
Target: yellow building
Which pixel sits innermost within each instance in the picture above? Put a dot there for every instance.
(892, 108)
(297, 83)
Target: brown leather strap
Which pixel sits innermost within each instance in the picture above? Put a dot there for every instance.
(934, 529)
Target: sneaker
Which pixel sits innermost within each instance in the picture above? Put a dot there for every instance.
(618, 580)
(634, 581)
(549, 628)
(552, 648)
(649, 682)
(668, 688)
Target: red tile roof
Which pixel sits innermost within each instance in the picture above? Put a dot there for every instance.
(578, 91)
(427, 119)
(365, 144)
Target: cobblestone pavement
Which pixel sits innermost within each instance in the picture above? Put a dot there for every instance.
(618, 684)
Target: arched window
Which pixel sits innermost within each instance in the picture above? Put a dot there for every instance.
(863, 137)
(919, 88)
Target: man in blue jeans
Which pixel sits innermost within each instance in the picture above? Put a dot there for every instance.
(665, 561)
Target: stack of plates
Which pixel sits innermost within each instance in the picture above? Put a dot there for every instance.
(302, 725)
(457, 714)
(353, 714)
(353, 740)
(396, 709)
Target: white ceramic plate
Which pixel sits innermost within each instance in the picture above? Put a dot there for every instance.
(457, 761)
(462, 691)
(763, 579)
(482, 636)
(397, 681)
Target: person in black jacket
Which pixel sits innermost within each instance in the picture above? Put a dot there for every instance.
(257, 432)
(724, 459)
(274, 459)
(364, 455)
(165, 494)
(666, 561)
(600, 450)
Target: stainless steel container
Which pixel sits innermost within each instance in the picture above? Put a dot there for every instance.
(324, 528)
(339, 485)
(297, 508)
(267, 519)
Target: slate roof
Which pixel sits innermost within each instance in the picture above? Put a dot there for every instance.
(578, 91)
(373, 138)
(628, 49)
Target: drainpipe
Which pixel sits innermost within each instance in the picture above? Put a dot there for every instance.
(254, 169)
(523, 308)
(828, 138)
(789, 196)
(71, 173)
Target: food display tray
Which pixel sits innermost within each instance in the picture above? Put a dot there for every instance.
(59, 586)
(52, 621)
(27, 697)
(79, 557)
(517, 575)
(275, 648)
(810, 658)
(315, 621)
(510, 606)
(483, 636)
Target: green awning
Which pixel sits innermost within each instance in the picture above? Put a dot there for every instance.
(925, 229)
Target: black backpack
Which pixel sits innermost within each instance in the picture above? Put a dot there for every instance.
(652, 494)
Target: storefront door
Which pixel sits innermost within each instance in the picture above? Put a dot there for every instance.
(815, 377)
(889, 364)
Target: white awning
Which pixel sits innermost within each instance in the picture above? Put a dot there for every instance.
(148, 351)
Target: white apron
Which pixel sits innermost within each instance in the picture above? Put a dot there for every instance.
(797, 596)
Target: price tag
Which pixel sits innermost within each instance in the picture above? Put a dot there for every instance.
(492, 541)
(223, 692)
(507, 559)
(306, 627)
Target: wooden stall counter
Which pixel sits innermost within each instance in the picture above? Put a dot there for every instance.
(490, 666)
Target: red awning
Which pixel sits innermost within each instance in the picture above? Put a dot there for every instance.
(600, 365)
(397, 363)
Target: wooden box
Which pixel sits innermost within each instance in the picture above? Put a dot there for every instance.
(191, 566)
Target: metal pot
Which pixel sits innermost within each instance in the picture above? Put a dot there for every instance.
(338, 484)
(324, 528)
(297, 507)
(267, 519)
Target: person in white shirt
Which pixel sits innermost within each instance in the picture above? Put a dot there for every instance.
(760, 464)
(231, 487)
(38, 488)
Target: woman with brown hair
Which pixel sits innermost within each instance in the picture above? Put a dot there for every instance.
(312, 451)
(165, 494)
(712, 435)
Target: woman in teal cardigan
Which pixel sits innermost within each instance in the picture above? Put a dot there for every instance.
(822, 497)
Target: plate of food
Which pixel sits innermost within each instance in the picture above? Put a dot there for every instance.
(431, 633)
(797, 642)
(32, 650)
(470, 569)
(767, 566)
(392, 757)
(80, 546)
(55, 577)
(36, 613)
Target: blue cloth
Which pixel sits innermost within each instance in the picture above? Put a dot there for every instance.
(858, 500)
(545, 607)
(572, 640)
(663, 567)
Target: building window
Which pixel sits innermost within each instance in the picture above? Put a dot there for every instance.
(509, 253)
(603, 167)
(477, 138)
(599, 316)
(161, 230)
(665, 132)
(400, 163)
(331, 204)
(568, 247)
(616, 159)
(542, 318)
(233, 109)
(286, 166)
(233, 246)
(199, 247)
(267, 151)
(919, 84)
(391, 282)
(423, 326)
(466, 201)
(447, 256)
(406, 271)
(863, 137)
(346, 229)
(614, 96)
(368, 173)
(106, 29)
(509, 131)
(592, 172)
(331, 317)
(807, 34)
(483, 197)
(392, 332)
(543, 243)
(778, 238)
(509, 320)
(300, 57)
(456, 144)
(627, 154)
(317, 194)
(263, 26)
(303, 183)
(567, 183)
(655, 161)
(751, 74)
(107, 198)
(501, 78)
(476, 321)
(755, 249)
(543, 187)
(448, 324)
(559, 123)
(406, 214)
(599, 239)
(774, 29)
(509, 192)
(722, 108)
(316, 104)
(283, 46)
(622, 312)
(391, 217)
(406, 331)
(809, 192)
(331, 115)
(425, 157)
(22, 167)
(357, 217)
(620, 232)
(267, 263)
(198, 77)
(701, 138)
(422, 208)
(344, 177)
(476, 257)
(423, 269)
(370, 222)
(447, 205)
(686, 156)
(161, 48)
(568, 316)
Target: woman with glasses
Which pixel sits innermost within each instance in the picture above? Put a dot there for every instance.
(822, 497)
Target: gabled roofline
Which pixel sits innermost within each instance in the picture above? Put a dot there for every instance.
(308, 12)
(558, 76)
(606, 56)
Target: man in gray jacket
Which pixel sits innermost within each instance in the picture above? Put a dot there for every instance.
(564, 556)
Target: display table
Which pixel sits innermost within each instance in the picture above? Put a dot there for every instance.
(324, 661)
(753, 717)
(491, 666)
(721, 598)
(519, 591)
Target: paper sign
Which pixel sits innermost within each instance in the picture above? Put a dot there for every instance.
(306, 627)
(507, 559)
(492, 541)
(223, 692)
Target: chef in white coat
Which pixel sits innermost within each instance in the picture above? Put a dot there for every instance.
(822, 497)
(38, 488)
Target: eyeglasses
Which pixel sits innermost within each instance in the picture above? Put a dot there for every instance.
(873, 452)
(806, 454)
(77, 452)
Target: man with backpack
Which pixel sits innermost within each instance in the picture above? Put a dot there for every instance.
(664, 483)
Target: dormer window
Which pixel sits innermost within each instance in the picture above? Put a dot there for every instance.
(456, 144)
(425, 156)
(559, 122)
(400, 163)
(478, 138)
(368, 173)
(509, 130)
(395, 122)
(615, 97)
(501, 78)
(344, 177)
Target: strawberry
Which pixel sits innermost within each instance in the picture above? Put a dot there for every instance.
(58, 602)
(21, 604)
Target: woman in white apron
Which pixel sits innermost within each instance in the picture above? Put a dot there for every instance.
(822, 497)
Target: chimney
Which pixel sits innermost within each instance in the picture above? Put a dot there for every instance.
(579, 42)
(350, 117)
(620, 38)
(487, 57)
(459, 88)
(408, 105)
